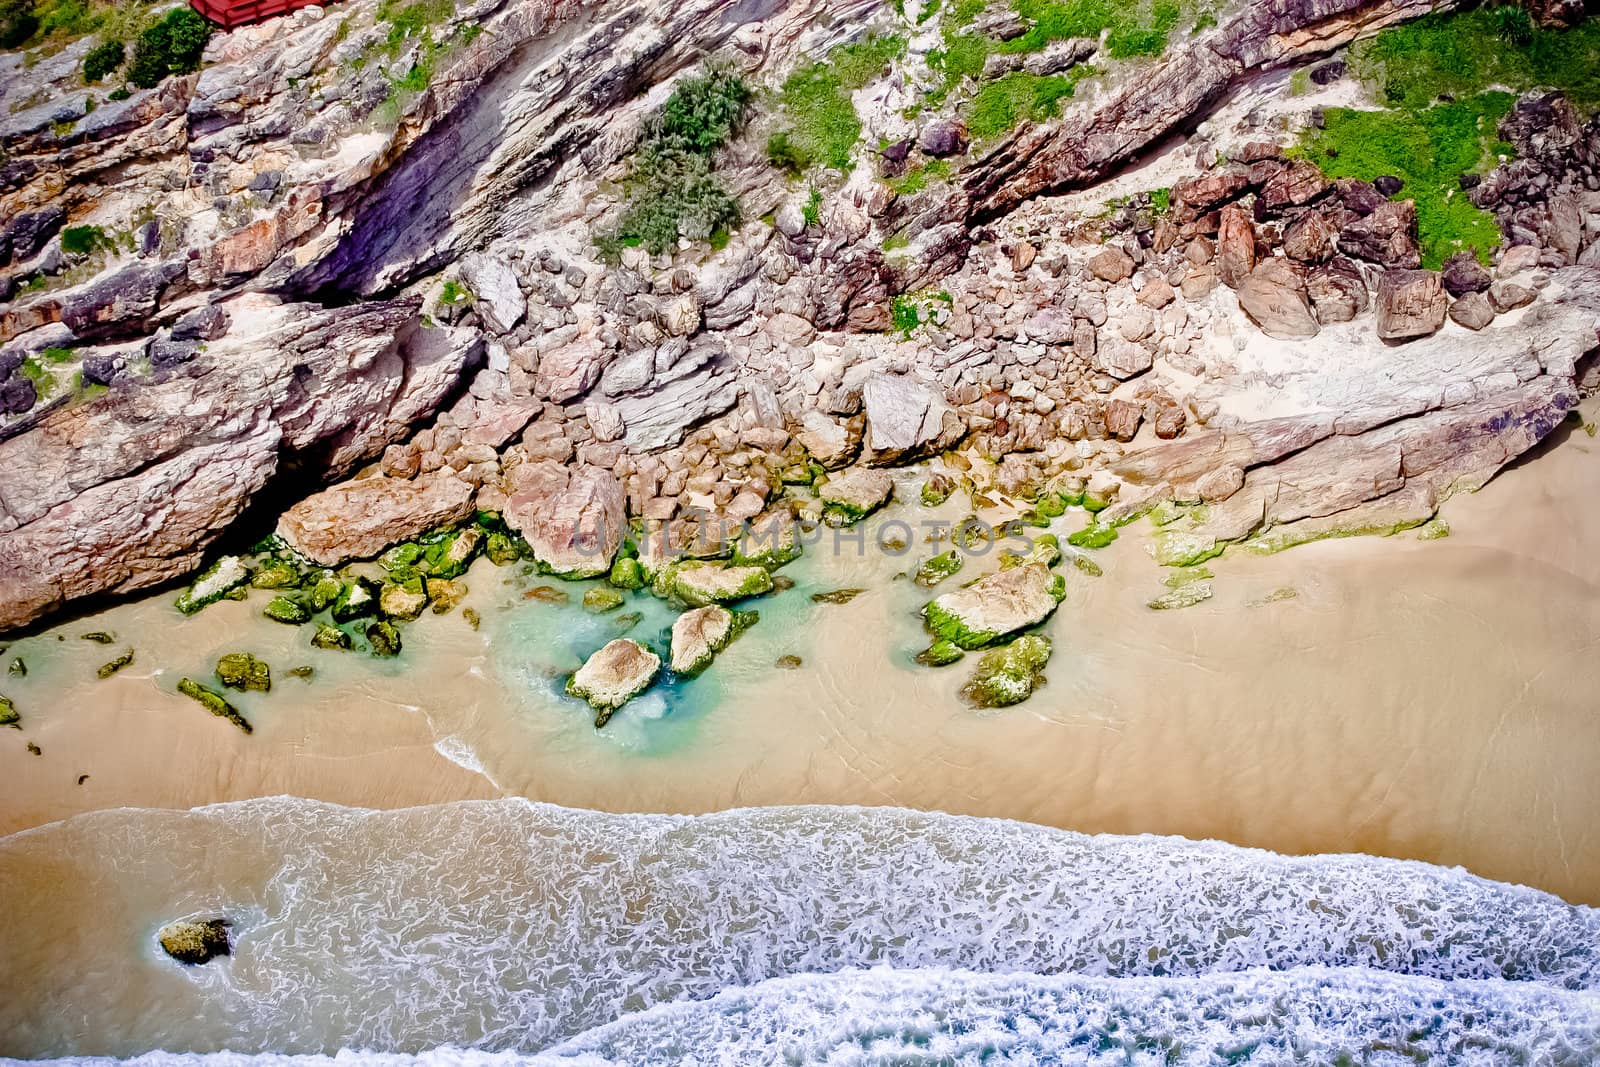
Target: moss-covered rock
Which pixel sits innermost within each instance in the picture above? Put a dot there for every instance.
(836, 596)
(937, 569)
(383, 637)
(700, 633)
(502, 547)
(1046, 549)
(213, 702)
(8, 713)
(602, 599)
(789, 662)
(242, 671)
(303, 672)
(99, 637)
(471, 617)
(547, 594)
(1185, 548)
(276, 574)
(627, 620)
(626, 573)
(771, 546)
(330, 637)
(1009, 675)
(195, 942)
(444, 594)
(851, 495)
(940, 653)
(287, 609)
(1184, 596)
(1097, 535)
(18, 667)
(937, 489)
(108, 669)
(322, 589)
(357, 599)
(993, 607)
(613, 676)
(701, 582)
(1085, 565)
(215, 582)
(403, 600)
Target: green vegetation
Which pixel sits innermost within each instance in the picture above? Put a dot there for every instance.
(1138, 28)
(170, 46)
(1001, 104)
(1459, 55)
(102, 59)
(1009, 675)
(919, 177)
(821, 127)
(671, 191)
(82, 240)
(812, 212)
(1428, 149)
(454, 292)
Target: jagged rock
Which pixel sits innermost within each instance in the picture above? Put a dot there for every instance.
(851, 495)
(1274, 296)
(1336, 290)
(1310, 238)
(943, 137)
(1123, 418)
(1236, 246)
(1294, 183)
(1472, 310)
(1209, 190)
(830, 442)
(132, 294)
(905, 419)
(995, 606)
(700, 633)
(570, 370)
(1508, 296)
(242, 671)
(613, 676)
(493, 283)
(359, 519)
(660, 418)
(573, 521)
(1411, 303)
(1463, 274)
(1387, 237)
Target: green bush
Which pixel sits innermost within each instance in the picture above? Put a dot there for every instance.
(102, 60)
(821, 127)
(1000, 104)
(171, 46)
(17, 22)
(671, 190)
(81, 240)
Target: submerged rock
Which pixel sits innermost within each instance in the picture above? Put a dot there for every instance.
(384, 638)
(213, 702)
(1010, 674)
(357, 599)
(613, 676)
(992, 607)
(108, 669)
(940, 653)
(403, 600)
(1185, 596)
(214, 583)
(602, 599)
(242, 671)
(852, 495)
(330, 637)
(789, 662)
(937, 569)
(195, 941)
(287, 610)
(700, 633)
(8, 713)
(99, 637)
(836, 596)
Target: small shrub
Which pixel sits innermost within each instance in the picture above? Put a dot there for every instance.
(1513, 25)
(102, 60)
(173, 45)
(82, 240)
(17, 22)
(904, 315)
(784, 154)
(812, 212)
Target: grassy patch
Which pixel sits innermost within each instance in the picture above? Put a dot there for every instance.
(671, 191)
(1137, 28)
(82, 240)
(1428, 149)
(1003, 103)
(920, 177)
(1413, 65)
(821, 127)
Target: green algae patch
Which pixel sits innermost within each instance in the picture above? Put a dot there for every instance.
(502, 548)
(243, 671)
(1008, 675)
(701, 582)
(1186, 595)
(1186, 548)
(322, 589)
(8, 713)
(276, 574)
(215, 582)
(1046, 549)
(940, 653)
(936, 490)
(937, 569)
(106, 670)
(330, 637)
(772, 549)
(1098, 535)
(357, 599)
(626, 573)
(383, 637)
(836, 596)
(213, 702)
(287, 610)
(1433, 530)
(99, 637)
(403, 600)
(1275, 541)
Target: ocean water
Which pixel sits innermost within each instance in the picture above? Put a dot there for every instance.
(784, 935)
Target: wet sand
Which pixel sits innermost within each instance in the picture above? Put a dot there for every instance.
(1428, 700)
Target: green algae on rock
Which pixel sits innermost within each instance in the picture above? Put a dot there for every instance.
(941, 653)
(403, 600)
(384, 638)
(701, 582)
(213, 702)
(836, 596)
(304, 672)
(992, 607)
(788, 662)
(108, 669)
(613, 676)
(243, 671)
(357, 599)
(851, 495)
(601, 599)
(937, 569)
(287, 610)
(330, 637)
(276, 574)
(214, 583)
(1046, 549)
(1008, 675)
(99, 637)
(444, 594)
(700, 633)
(194, 942)
(8, 713)
(1096, 535)
(1186, 595)
(626, 573)
(1185, 548)
(1087, 565)
(936, 490)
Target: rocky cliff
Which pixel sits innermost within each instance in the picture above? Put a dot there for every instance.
(360, 245)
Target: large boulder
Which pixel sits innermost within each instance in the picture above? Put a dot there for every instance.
(1236, 246)
(700, 633)
(359, 519)
(1274, 297)
(1337, 291)
(702, 582)
(613, 676)
(1411, 303)
(993, 607)
(499, 298)
(573, 520)
(1387, 237)
(906, 419)
(851, 495)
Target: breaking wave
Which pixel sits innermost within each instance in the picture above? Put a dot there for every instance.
(805, 934)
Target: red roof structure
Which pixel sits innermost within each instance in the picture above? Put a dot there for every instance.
(231, 13)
